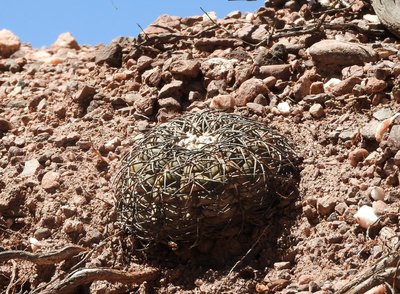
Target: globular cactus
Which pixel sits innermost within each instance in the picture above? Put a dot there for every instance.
(203, 175)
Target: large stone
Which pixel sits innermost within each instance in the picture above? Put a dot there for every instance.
(163, 24)
(66, 40)
(144, 105)
(374, 85)
(173, 89)
(186, 68)
(5, 125)
(218, 68)
(252, 33)
(249, 90)
(210, 44)
(279, 71)
(111, 55)
(9, 43)
(394, 136)
(368, 131)
(333, 52)
(346, 86)
(222, 102)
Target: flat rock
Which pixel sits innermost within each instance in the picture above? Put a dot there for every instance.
(210, 44)
(31, 167)
(279, 71)
(333, 52)
(186, 68)
(383, 113)
(173, 89)
(368, 131)
(9, 43)
(111, 54)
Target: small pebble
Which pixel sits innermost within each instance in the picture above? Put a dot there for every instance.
(357, 155)
(377, 193)
(284, 108)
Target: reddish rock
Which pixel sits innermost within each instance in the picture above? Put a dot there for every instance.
(222, 102)
(66, 40)
(152, 77)
(357, 156)
(346, 86)
(256, 108)
(326, 205)
(302, 88)
(216, 87)
(317, 88)
(249, 90)
(5, 126)
(169, 103)
(279, 71)
(163, 24)
(252, 33)
(111, 55)
(144, 105)
(210, 44)
(187, 68)
(333, 52)
(317, 110)
(374, 85)
(9, 43)
(85, 94)
(50, 181)
(173, 89)
(144, 62)
(218, 68)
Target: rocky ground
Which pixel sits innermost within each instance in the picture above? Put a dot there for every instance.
(325, 77)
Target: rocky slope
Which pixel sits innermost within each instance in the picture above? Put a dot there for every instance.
(325, 77)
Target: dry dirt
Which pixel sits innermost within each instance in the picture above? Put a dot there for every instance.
(68, 113)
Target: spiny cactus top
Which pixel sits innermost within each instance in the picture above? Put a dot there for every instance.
(203, 175)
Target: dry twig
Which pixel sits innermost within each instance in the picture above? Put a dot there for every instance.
(86, 276)
(42, 258)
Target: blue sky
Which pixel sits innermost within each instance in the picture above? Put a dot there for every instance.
(39, 22)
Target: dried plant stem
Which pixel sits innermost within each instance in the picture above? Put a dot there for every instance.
(41, 258)
(89, 275)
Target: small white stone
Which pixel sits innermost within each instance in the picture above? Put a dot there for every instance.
(284, 108)
(372, 18)
(329, 85)
(377, 193)
(30, 168)
(365, 216)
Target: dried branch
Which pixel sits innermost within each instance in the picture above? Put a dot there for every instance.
(382, 271)
(42, 258)
(86, 276)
